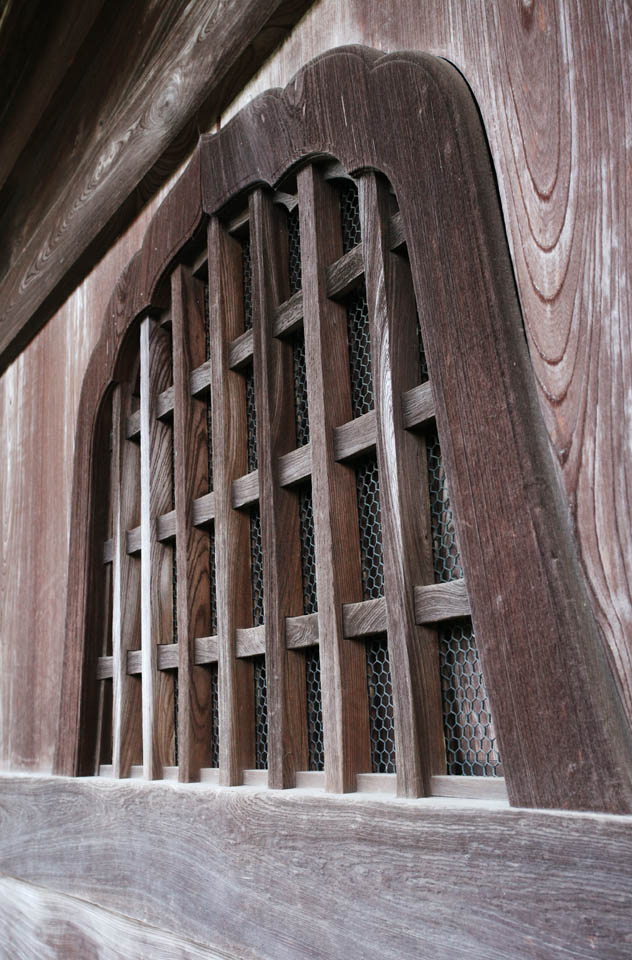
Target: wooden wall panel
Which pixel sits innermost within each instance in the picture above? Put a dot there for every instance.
(285, 875)
(35, 923)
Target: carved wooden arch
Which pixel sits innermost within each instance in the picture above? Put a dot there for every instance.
(563, 736)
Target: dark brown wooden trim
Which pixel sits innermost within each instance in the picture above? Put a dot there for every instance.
(363, 878)
(562, 730)
(557, 708)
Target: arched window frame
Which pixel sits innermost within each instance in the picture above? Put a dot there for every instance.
(562, 732)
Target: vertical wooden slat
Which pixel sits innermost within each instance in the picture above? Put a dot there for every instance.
(283, 593)
(191, 481)
(126, 578)
(156, 558)
(232, 550)
(338, 575)
(406, 534)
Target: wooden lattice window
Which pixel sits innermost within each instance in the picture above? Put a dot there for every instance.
(303, 379)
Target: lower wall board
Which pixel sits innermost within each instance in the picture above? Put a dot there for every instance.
(37, 924)
(292, 874)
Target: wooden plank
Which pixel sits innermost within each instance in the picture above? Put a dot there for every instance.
(36, 922)
(245, 490)
(127, 743)
(483, 788)
(206, 650)
(104, 668)
(355, 437)
(295, 465)
(251, 641)
(203, 509)
(191, 480)
(301, 631)
(418, 405)
(337, 548)
(140, 57)
(406, 533)
(365, 618)
(282, 582)
(228, 394)
(240, 351)
(441, 601)
(156, 559)
(536, 884)
(288, 316)
(345, 272)
(107, 551)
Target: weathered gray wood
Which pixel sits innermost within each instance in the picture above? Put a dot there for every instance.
(104, 668)
(301, 631)
(365, 618)
(418, 405)
(240, 351)
(250, 641)
(295, 465)
(199, 382)
(482, 788)
(355, 437)
(466, 878)
(344, 273)
(37, 922)
(156, 559)
(441, 601)
(245, 490)
(288, 315)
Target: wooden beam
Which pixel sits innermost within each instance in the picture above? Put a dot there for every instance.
(125, 117)
(363, 878)
(191, 481)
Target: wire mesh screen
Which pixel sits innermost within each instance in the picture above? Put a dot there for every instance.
(246, 274)
(294, 250)
(214, 672)
(470, 738)
(256, 566)
(261, 713)
(445, 550)
(251, 421)
(380, 692)
(308, 549)
(370, 522)
(315, 739)
(423, 363)
(209, 440)
(362, 398)
(301, 414)
(212, 569)
(350, 216)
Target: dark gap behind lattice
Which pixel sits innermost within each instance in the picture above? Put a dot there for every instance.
(370, 525)
(261, 713)
(380, 696)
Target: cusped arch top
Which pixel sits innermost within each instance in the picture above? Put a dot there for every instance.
(563, 734)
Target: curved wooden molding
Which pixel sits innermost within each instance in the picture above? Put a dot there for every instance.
(563, 735)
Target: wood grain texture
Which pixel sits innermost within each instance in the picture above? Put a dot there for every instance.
(236, 707)
(36, 923)
(403, 494)
(191, 481)
(126, 582)
(579, 750)
(280, 539)
(125, 117)
(337, 548)
(408, 866)
(156, 595)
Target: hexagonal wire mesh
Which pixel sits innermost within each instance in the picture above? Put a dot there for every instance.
(214, 672)
(445, 549)
(246, 274)
(350, 215)
(251, 420)
(212, 580)
(470, 738)
(380, 693)
(261, 713)
(362, 397)
(256, 566)
(301, 414)
(370, 523)
(312, 655)
(294, 250)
